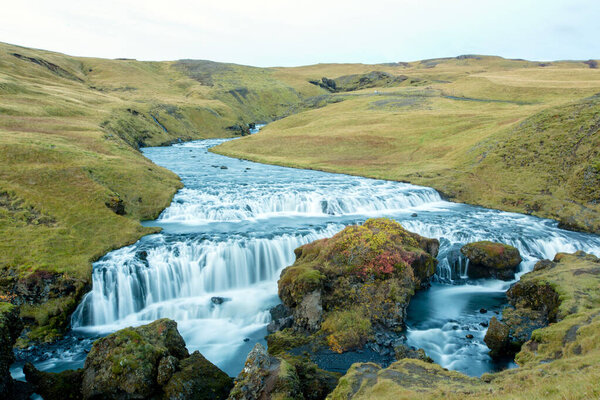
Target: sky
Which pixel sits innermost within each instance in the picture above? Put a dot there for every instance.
(302, 32)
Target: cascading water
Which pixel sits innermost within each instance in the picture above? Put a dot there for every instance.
(228, 234)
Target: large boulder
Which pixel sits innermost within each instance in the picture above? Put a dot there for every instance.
(10, 328)
(491, 260)
(125, 363)
(197, 379)
(266, 377)
(275, 377)
(358, 281)
(150, 361)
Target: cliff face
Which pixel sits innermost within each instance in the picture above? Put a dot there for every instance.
(10, 328)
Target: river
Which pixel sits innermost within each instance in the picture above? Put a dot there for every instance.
(232, 229)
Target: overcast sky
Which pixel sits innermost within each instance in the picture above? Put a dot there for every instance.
(286, 33)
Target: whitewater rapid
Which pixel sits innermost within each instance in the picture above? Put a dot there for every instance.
(228, 234)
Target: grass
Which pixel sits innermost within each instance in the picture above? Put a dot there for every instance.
(506, 134)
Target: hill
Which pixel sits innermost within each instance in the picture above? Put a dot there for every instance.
(509, 134)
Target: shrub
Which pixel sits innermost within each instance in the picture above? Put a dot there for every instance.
(347, 329)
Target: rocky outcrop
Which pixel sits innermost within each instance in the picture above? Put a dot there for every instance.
(405, 379)
(126, 362)
(353, 82)
(535, 302)
(265, 377)
(149, 361)
(268, 377)
(491, 260)
(57, 294)
(196, 378)
(356, 282)
(65, 385)
(281, 318)
(10, 328)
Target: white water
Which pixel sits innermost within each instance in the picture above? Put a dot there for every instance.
(231, 231)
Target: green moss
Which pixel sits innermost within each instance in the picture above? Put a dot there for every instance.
(348, 329)
(285, 340)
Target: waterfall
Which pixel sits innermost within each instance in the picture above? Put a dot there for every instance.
(233, 228)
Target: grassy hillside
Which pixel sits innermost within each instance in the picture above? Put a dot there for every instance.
(73, 185)
(509, 134)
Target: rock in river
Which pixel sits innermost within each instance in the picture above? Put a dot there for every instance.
(491, 260)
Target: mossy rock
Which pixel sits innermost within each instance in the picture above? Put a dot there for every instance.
(126, 362)
(362, 277)
(405, 379)
(491, 260)
(282, 377)
(198, 379)
(64, 385)
(266, 377)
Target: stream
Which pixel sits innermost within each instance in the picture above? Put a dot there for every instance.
(232, 229)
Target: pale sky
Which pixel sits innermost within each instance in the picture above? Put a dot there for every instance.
(287, 33)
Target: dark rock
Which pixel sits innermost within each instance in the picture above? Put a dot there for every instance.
(496, 338)
(219, 300)
(534, 295)
(309, 313)
(543, 264)
(197, 379)
(484, 324)
(143, 255)
(281, 318)
(482, 310)
(147, 362)
(55, 386)
(10, 328)
(469, 336)
(402, 351)
(414, 215)
(224, 167)
(116, 204)
(491, 260)
(336, 285)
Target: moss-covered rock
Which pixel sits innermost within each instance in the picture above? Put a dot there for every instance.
(64, 385)
(405, 379)
(283, 377)
(149, 361)
(197, 379)
(10, 328)
(360, 279)
(266, 377)
(125, 363)
(491, 260)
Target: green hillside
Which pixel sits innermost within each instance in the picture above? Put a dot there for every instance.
(73, 184)
(508, 134)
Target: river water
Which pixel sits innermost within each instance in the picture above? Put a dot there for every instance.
(228, 234)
